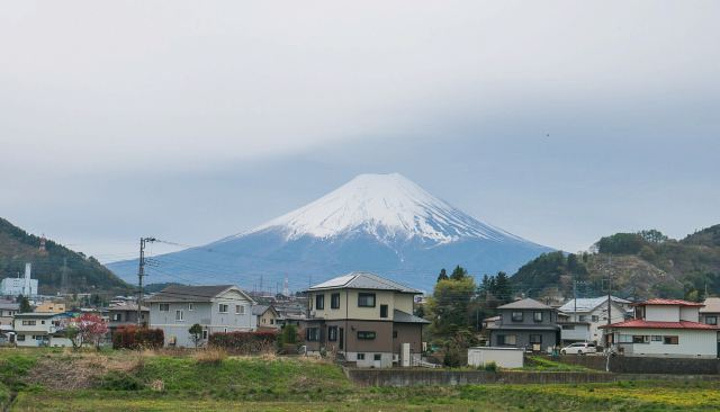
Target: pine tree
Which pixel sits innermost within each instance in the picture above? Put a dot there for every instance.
(503, 290)
(24, 304)
(443, 275)
(458, 273)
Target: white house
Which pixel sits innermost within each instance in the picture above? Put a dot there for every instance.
(223, 308)
(580, 319)
(666, 327)
(39, 329)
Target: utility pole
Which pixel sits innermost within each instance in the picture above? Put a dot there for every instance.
(608, 332)
(141, 274)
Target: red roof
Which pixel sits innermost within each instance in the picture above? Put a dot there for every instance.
(678, 302)
(645, 324)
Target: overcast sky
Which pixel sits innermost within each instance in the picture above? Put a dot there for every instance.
(559, 121)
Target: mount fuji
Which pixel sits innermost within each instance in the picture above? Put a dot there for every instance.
(380, 223)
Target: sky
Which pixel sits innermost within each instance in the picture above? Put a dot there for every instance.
(558, 121)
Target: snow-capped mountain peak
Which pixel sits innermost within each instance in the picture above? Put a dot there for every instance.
(388, 207)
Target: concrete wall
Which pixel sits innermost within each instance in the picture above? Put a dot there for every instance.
(647, 365)
(502, 357)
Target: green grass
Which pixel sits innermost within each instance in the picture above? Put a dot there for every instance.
(538, 363)
(300, 385)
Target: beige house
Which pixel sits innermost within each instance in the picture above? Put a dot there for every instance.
(267, 317)
(50, 307)
(366, 319)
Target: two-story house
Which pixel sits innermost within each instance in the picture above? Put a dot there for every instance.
(666, 327)
(267, 317)
(39, 329)
(365, 318)
(582, 317)
(7, 311)
(526, 324)
(222, 308)
(125, 314)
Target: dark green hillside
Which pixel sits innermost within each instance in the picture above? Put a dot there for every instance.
(642, 265)
(84, 274)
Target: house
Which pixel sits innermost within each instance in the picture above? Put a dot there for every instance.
(366, 319)
(50, 307)
(710, 313)
(581, 318)
(39, 329)
(126, 314)
(526, 324)
(7, 312)
(267, 317)
(666, 327)
(221, 308)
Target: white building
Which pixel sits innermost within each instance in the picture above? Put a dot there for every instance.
(39, 329)
(581, 319)
(20, 286)
(223, 308)
(668, 328)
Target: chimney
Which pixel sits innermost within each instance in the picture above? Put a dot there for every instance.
(28, 271)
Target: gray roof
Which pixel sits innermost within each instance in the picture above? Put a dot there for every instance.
(36, 315)
(9, 306)
(258, 310)
(403, 317)
(526, 303)
(363, 280)
(588, 304)
(712, 305)
(177, 293)
(126, 307)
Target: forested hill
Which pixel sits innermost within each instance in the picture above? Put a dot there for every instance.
(642, 265)
(83, 274)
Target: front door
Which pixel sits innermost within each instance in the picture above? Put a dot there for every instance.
(342, 339)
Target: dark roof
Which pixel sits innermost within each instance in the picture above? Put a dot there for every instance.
(363, 280)
(36, 315)
(258, 310)
(495, 326)
(404, 317)
(178, 293)
(526, 303)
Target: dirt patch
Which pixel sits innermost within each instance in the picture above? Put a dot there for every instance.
(77, 372)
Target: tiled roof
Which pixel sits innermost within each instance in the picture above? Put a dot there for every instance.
(588, 304)
(258, 310)
(645, 324)
(658, 301)
(177, 293)
(403, 317)
(363, 280)
(712, 305)
(526, 303)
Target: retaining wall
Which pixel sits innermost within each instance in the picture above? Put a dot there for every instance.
(648, 365)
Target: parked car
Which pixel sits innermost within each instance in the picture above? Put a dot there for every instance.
(579, 348)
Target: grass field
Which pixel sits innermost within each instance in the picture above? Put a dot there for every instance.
(125, 381)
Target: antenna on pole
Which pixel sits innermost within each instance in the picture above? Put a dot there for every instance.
(141, 275)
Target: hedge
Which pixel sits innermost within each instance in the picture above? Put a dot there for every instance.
(132, 337)
(244, 342)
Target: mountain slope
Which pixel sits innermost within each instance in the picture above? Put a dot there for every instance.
(83, 274)
(381, 223)
(642, 265)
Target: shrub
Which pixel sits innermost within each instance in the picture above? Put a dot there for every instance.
(243, 342)
(491, 367)
(132, 337)
(211, 356)
(120, 381)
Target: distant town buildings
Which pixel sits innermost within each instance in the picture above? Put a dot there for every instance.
(25, 285)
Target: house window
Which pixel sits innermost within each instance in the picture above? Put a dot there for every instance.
(568, 327)
(29, 323)
(657, 338)
(394, 334)
(641, 339)
(332, 333)
(506, 340)
(377, 357)
(366, 335)
(164, 307)
(179, 316)
(383, 311)
(117, 317)
(535, 338)
(711, 320)
(335, 301)
(360, 356)
(312, 334)
(223, 308)
(537, 316)
(595, 318)
(582, 318)
(191, 307)
(319, 302)
(366, 300)
(239, 309)
(671, 340)
(21, 338)
(517, 316)
(625, 338)
(205, 334)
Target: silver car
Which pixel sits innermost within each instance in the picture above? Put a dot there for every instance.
(579, 348)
